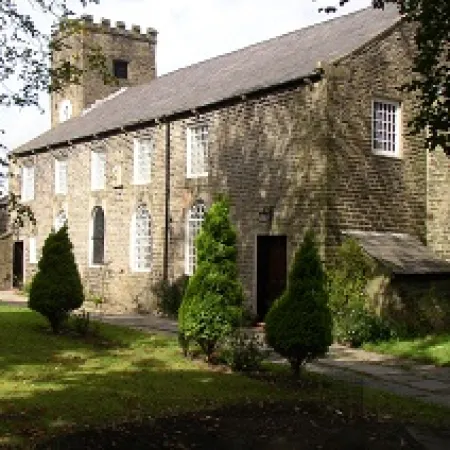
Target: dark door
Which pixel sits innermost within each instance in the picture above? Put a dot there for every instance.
(18, 264)
(271, 271)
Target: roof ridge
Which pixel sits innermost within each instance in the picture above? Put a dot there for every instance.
(212, 58)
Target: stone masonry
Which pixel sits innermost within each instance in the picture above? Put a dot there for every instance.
(303, 150)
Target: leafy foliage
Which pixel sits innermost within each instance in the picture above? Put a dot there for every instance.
(81, 323)
(298, 325)
(353, 322)
(431, 68)
(356, 326)
(211, 306)
(170, 294)
(27, 49)
(244, 352)
(347, 279)
(56, 288)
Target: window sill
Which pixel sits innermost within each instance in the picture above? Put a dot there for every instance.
(96, 266)
(193, 176)
(134, 270)
(386, 154)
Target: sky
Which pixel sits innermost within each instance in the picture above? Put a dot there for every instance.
(188, 31)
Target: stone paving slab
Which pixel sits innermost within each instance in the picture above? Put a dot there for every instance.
(430, 385)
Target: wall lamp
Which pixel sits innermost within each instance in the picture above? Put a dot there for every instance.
(266, 214)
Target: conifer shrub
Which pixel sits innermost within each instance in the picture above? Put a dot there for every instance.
(299, 325)
(212, 304)
(56, 289)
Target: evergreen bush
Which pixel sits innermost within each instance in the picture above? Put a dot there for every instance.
(298, 325)
(56, 288)
(211, 306)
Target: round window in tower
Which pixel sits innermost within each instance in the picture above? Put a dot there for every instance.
(65, 110)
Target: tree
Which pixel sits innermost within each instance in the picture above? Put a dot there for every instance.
(26, 51)
(56, 288)
(299, 325)
(431, 66)
(211, 306)
(25, 55)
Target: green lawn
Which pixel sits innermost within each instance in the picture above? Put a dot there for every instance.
(430, 349)
(52, 384)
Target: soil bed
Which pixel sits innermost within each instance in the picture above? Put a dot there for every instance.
(250, 426)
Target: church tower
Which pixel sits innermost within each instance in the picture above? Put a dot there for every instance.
(130, 55)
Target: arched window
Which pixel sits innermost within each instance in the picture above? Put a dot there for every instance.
(60, 220)
(195, 218)
(98, 236)
(141, 240)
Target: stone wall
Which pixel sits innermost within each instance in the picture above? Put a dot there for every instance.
(416, 304)
(367, 191)
(6, 262)
(438, 196)
(264, 151)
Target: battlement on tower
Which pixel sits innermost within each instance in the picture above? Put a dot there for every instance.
(119, 28)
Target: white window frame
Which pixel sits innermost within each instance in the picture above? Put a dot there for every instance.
(98, 170)
(60, 220)
(193, 227)
(135, 242)
(142, 155)
(61, 176)
(391, 132)
(194, 148)
(32, 250)
(28, 180)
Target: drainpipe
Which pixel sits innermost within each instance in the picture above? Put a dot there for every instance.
(167, 206)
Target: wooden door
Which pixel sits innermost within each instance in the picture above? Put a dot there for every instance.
(271, 271)
(18, 264)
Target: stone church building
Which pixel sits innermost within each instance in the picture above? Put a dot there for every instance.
(306, 130)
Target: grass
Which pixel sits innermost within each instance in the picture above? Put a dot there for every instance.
(54, 384)
(429, 349)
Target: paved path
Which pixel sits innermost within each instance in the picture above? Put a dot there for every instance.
(425, 382)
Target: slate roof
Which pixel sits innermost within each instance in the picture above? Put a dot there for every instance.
(401, 253)
(269, 63)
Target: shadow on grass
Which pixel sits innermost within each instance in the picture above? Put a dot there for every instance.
(53, 383)
(26, 339)
(93, 397)
(56, 384)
